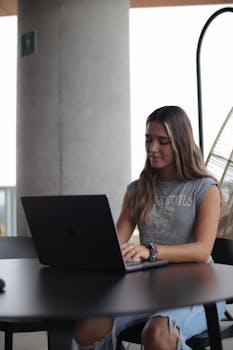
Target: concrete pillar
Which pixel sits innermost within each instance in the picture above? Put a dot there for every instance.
(73, 120)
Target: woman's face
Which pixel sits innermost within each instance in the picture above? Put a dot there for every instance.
(159, 150)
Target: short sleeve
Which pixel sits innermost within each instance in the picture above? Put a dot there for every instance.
(131, 189)
(204, 184)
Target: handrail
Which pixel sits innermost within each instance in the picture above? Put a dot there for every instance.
(198, 67)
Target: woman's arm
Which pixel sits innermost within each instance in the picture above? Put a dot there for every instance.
(124, 226)
(206, 226)
(125, 230)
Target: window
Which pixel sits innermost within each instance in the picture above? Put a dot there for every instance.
(163, 42)
(8, 59)
(7, 211)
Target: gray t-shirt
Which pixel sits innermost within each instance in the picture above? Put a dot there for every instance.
(172, 218)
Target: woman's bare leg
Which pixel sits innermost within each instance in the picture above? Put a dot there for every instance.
(158, 335)
(90, 330)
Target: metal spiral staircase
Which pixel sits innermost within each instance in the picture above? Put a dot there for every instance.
(220, 159)
(220, 163)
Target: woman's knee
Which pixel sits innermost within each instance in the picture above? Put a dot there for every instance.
(88, 331)
(157, 334)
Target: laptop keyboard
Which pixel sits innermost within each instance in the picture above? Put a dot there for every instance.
(131, 262)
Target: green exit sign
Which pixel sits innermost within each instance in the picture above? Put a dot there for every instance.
(28, 44)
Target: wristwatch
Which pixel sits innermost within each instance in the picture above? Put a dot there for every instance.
(153, 250)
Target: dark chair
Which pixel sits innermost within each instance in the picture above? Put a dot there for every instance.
(223, 254)
(10, 248)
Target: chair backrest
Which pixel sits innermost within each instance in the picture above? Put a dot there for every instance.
(17, 247)
(223, 251)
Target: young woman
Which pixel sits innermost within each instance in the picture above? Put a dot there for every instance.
(175, 204)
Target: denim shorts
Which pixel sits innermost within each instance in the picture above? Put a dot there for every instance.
(189, 321)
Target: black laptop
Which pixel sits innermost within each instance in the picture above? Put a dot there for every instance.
(77, 231)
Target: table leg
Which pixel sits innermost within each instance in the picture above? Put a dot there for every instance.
(213, 326)
(60, 337)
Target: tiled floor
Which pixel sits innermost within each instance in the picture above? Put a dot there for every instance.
(228, 343)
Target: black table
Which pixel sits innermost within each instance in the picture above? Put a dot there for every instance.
(62, 296)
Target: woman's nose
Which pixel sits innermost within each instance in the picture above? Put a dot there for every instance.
(154, 146)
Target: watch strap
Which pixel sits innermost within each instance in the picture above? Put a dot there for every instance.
(153, 250)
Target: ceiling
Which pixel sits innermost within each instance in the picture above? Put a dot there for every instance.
(9, 7)
(154, 3)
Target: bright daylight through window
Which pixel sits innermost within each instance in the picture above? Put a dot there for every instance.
(8, 64)
(163, 42)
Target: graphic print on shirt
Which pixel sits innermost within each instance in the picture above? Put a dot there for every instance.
(164, 208)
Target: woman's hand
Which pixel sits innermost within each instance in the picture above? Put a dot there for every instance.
(134, 252)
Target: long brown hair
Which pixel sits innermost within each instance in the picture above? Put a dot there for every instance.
(188, 160)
